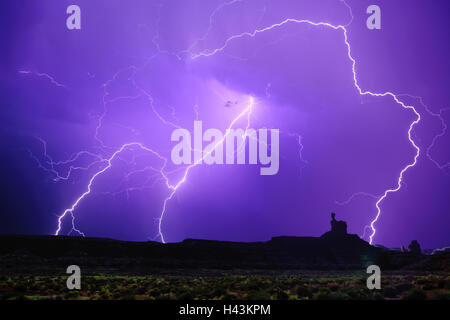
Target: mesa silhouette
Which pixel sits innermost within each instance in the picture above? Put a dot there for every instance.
(334, 250)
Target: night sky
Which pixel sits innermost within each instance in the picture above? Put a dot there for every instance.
(137, 70)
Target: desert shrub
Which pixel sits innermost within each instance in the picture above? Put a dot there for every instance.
(390, 292)
(260, 295)
(447, 283)
(104, 293)
(328, 295)
(230, 296)
(281, 295)
(70, 294)
(353, 293)
(303, 291)
(165, 296)
(20, 287)
(333, 286)
(219, 291)
(415, 294)
(185, 296)
(378, 296)
(440, 295)
(402, 287)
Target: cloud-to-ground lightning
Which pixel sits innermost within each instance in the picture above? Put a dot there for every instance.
(91, 181)
(175, 187)
(208, 53)
(427, 153)
(108, 161)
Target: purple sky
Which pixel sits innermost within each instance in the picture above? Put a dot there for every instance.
(132, 73)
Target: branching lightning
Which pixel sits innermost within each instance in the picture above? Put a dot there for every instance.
(208, 53)
(300, 148)
(45, 75)
(108, 162)
(175, 187)
(357, 194)
(444, 127)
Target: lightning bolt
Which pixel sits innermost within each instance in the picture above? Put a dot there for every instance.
(175, 187)
(444, 128)
(300, 148)
(357, 194)
(172, 187)
(210, 26)
(442, 167)
(108, 162)
(211, 52)
(45, 75)
(116, 154)
(50, 166)
(98, 173)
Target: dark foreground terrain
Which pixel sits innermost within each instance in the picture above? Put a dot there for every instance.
(294, 285)
(328, 267)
